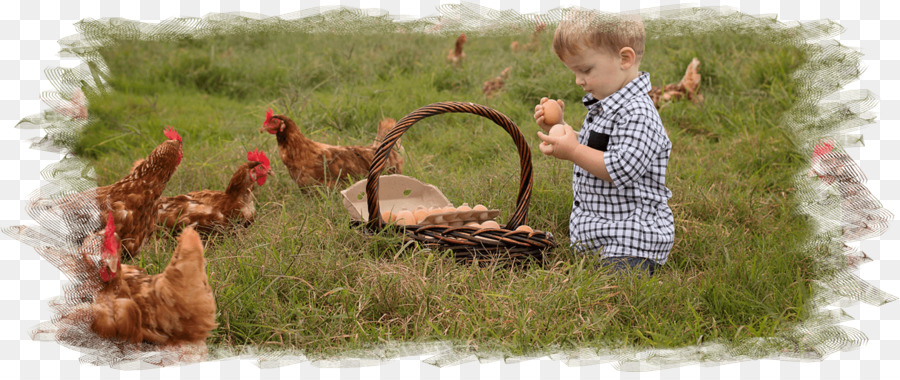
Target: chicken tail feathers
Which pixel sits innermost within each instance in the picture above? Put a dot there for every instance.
(188, 255)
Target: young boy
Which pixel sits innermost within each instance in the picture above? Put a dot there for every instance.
(622, 150)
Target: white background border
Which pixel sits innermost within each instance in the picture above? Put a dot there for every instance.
(28, 46)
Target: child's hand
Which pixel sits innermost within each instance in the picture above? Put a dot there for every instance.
(561, 143)
(539, 114)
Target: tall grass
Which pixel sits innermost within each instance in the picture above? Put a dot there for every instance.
(302, 278)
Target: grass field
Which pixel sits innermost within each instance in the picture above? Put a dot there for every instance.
(301, 278)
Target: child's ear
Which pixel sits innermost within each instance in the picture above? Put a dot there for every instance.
(628, 57)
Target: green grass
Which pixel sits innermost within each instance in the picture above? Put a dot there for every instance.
(301, 278)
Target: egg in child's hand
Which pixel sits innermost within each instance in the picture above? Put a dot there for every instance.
(552, 112)
(558, 130)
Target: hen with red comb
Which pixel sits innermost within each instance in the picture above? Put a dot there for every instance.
(172, 134)
(210, 210)
(131, 201)
(175, 308)
(261, 170)
(313, 163)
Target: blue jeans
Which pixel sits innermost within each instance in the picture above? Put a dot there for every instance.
(629, 263)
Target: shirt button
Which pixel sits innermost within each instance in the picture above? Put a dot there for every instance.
(577, 204)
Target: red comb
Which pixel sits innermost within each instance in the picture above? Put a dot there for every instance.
(269, 115)
(258, 156)
(171, 134)
(263, 168)
(110, 245)
(822, 149)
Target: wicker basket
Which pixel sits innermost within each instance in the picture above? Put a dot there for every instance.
(466, 242)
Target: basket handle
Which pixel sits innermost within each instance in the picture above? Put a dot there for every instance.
(518, 217)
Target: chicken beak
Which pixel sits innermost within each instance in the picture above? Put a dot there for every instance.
(112, 264)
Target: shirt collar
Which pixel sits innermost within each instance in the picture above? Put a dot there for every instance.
(640, 85)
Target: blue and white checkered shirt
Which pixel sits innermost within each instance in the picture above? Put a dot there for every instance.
(630, 216)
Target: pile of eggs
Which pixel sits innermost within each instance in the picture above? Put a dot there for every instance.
(421, 215)
(478, 216)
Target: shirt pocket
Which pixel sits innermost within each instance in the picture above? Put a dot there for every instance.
(598, 141)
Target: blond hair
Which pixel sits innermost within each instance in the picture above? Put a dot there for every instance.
(582, 29)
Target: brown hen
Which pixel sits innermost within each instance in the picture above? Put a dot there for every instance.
(172, 308)
(210, 210)
(493, 86)
(132, 200)
(310, 162)
(535, 39)
(688, 87)
(456, 55)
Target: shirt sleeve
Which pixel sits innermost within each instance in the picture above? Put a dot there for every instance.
(632, 148)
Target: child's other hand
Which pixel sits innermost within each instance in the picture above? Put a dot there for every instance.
(539, 113)
(561, 143)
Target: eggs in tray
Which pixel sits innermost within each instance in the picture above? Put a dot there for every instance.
(451, 216)
(407, 201)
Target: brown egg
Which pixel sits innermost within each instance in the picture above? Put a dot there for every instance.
(490, 224)
(524, 228)
(405, 217)
(388, 216)
(448, 209)
(464, 207)
(552, 112)
(558, 130)
(420, 213)
(479, 208)
(474, 224)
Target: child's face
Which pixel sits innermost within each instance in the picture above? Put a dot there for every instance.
(598, 71)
